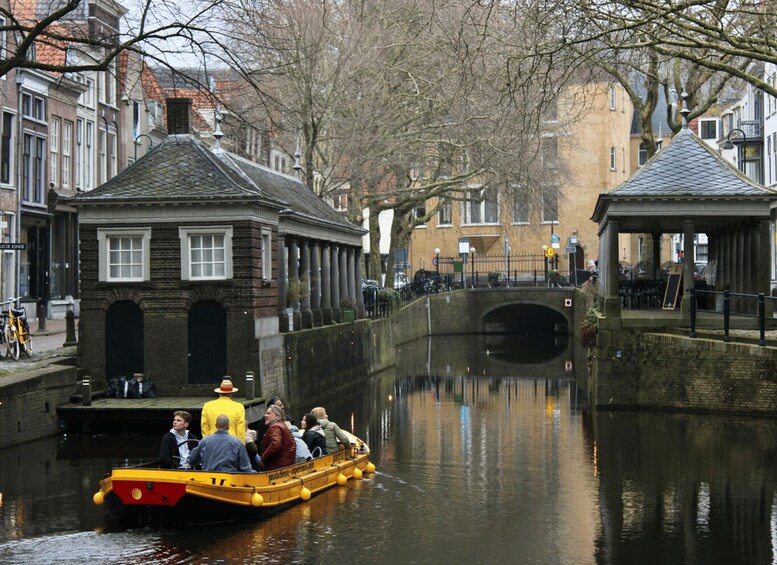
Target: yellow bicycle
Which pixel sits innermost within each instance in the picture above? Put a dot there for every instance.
(16, 335)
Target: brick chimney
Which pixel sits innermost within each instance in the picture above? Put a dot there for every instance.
(179, 115)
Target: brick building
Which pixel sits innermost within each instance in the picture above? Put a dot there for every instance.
(184, 262)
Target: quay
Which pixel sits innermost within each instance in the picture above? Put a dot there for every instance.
(105, 415)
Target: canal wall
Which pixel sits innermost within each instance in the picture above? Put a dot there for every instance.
(652, 370)
(29, 400)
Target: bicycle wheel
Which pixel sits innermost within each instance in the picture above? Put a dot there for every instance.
(3, 345)
(26, 338)
(11, 341)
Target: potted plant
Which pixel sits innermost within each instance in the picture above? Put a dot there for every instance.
(589, 328)
(389, 299)
(348, 308)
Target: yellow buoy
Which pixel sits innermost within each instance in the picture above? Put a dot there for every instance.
(341, 479)
(257, 499)
(98, 498)
(304, 494)
(370, 467)
(357, 473)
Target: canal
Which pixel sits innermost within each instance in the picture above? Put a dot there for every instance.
(486, 452)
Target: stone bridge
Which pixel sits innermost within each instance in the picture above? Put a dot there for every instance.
(523, 310)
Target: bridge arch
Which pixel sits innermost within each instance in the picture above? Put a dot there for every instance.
(525, 318)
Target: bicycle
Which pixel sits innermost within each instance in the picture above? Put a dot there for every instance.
(16, 336)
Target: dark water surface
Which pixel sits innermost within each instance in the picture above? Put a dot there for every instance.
(486, 452)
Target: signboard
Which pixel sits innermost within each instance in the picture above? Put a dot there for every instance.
(555, 245)
(16, 246)
(673, 283)
(573, 240)
(554, 238)
(549, 252)
(458, 266)
(463, 246)
(434, 261)
(570, 250)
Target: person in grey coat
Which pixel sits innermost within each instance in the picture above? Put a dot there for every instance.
(221, 451)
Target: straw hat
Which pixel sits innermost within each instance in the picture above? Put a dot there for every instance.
(226, 387)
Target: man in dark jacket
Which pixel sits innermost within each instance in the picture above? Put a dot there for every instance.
(174, 450)
(278, 448)
(221, 451)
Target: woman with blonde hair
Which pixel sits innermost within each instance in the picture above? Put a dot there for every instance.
(332, 431)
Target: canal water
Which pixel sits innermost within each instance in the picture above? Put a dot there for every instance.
(486, 452)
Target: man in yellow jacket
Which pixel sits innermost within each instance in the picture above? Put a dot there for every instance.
(224, 404)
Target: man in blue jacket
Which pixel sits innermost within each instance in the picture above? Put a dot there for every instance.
(221, 451)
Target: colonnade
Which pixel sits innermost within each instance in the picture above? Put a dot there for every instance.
(332, 273)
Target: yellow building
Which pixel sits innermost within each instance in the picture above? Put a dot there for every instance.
(584, 155)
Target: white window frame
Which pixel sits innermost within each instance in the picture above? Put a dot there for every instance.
(104, 237)
(445, 213)
(613, 159)
(185, 234)
(54, 129)
(3, 41)
(703, 122)
(67, 151)
(472, 201)
(520, 200)
(9, 141)
(266, 255)
(612, 97)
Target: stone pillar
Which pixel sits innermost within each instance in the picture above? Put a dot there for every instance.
(304, 260)
(608, 270)
(358, 265)
(343, 272)
(283, 317)
(335, 283)
(656, 274)
(764, 268)
(293, 249)
(352, 291)
(326, 283)
(689, 267)
(315, 283)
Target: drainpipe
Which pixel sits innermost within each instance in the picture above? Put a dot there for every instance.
(428, 318)
(18, 160)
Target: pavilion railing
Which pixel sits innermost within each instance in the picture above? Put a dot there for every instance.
(753, 305)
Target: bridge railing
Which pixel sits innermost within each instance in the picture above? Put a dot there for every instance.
(525, 269)
(753, 305)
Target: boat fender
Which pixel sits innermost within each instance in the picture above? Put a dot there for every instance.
(257, 499)
(304, 493)
(342, 479)
(357, 473)
(370, 467)
(98, 498)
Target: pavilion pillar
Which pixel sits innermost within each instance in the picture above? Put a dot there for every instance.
(358, 264)
(304, 264)
(335, 283)
(352, 278)
(326, 283)
(283, 317)
(764, 269)
(293, 248)
(343, 272)
(688, 268)
(656, 274)
(608, 243)
(315, 283)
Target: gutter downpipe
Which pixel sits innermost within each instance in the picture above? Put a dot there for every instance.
(428, 318)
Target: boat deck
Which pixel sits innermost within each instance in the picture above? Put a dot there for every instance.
(142, 413)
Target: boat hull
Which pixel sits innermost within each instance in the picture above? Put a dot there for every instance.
(149, 496)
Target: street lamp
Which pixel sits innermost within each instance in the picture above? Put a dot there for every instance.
(472, 259)
(730, 144)
(437, 267)
(136, 142)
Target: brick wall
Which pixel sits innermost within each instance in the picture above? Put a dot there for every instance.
(665, 371)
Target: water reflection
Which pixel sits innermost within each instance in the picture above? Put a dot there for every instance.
(478, 459)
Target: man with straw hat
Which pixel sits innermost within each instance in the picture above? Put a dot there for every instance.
(224, 405)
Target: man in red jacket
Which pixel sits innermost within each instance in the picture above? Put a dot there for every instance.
(278, 447)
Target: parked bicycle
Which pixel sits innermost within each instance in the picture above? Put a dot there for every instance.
(16, 336)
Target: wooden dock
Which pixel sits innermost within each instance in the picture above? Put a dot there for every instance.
(154, 415)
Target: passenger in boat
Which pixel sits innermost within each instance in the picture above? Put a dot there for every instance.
(221, 451)
(303, 453)
(332, 431)
(313, 436)
(261, 427)
(224, 404)
(252, 449)
(278, 448)
(174, 450)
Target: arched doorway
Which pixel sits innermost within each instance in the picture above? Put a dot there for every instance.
(207, 342)
(123, 340)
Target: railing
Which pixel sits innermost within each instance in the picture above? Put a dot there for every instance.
(726, 310)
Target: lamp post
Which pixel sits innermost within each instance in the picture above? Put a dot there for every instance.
(136, 142)
(437, 268)
(472, 263)
(545, 255)
(730, 144)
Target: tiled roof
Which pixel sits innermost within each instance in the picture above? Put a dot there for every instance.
(182, 169)
(686, 166)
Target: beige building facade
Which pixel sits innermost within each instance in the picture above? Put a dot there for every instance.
(582, 157)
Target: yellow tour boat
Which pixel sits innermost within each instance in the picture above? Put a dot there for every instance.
(146, 495)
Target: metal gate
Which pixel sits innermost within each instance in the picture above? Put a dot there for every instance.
(123, 340)
(207, 342)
